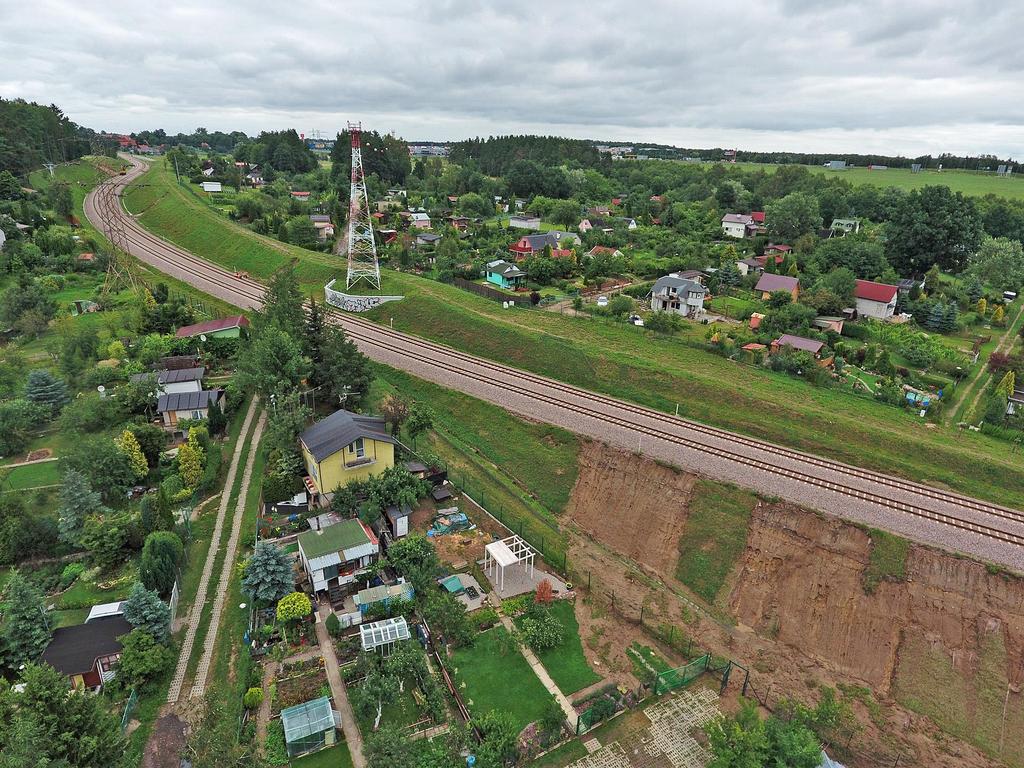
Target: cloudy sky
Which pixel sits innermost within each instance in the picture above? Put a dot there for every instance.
(872, 76)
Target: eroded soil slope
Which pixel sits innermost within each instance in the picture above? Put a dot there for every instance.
(632, 504)
(942, 645)
(947, 640)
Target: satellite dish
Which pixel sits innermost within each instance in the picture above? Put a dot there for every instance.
(101, 389)
(202, 337)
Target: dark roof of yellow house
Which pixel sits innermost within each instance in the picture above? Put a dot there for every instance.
(341, 428)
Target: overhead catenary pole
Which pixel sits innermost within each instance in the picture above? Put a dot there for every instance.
(362, 250)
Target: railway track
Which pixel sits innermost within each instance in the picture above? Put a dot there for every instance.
(886, 492)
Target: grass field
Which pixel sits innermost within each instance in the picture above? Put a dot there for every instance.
(32, 476)
(714, 536)
(566, 663)
(627, 362)
(332, 757)
(971, 183)
(490, 681)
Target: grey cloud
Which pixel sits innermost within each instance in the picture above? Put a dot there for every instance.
(762, 75)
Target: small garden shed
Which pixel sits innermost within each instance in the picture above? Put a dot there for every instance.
(308, 726)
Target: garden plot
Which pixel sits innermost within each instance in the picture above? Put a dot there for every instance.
(667, 742)
(299, 682)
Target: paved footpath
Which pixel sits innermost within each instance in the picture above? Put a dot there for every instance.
(203, 670)
(204, 581)
(545, 678)
(338, 692)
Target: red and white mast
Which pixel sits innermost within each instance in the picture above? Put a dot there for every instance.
(362, 251)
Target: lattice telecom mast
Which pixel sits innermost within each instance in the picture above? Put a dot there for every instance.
(362, 251)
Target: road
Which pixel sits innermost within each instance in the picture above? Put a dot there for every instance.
(925, 514)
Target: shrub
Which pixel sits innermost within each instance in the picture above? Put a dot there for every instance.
(70, 573)
(333, 625)
(253, 697)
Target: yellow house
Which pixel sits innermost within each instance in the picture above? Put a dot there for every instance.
(344, 447)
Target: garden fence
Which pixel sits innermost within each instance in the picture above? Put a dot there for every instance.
(491, 293)
(671, 679)
(129, 707)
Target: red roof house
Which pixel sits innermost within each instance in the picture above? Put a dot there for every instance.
(876, 300)
(757, 216)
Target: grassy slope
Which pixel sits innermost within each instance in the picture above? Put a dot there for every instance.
(714, 537)
(624, 361)
(970, 183)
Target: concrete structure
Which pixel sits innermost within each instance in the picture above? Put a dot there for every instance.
(876, 300)
(524, 222)
(675, 293)
(333, 556)
(344, 447)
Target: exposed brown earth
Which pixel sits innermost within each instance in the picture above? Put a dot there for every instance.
(945, 645)
(632, 504)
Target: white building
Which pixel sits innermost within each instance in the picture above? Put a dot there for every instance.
(876, 300)
(674, 293)
(210, 186)
(738, 225)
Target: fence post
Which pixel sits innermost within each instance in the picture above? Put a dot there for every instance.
(641, 615)
(671, 635)
(588, 581)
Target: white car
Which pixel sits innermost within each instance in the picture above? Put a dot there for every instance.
(602, 301)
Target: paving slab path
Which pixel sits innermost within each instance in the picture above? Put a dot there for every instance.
(174, 693)
(338, 691)
(203, 670)
(542, 674)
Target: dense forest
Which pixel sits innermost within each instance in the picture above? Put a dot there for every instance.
(497, 155)
(31, 134)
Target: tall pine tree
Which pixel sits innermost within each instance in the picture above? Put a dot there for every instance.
(25, 629)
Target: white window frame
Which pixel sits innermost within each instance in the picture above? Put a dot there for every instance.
(358, 448)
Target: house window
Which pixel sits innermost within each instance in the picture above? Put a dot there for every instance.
(357, 448)
(196, 415)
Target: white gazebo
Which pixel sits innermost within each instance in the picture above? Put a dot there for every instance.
(499, 555)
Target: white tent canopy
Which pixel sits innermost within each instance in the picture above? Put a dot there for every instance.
(499, 555)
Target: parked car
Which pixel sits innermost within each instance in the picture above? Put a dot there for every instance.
(602, 301)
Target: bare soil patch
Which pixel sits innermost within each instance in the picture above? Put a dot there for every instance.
(631, 504)
(166, 741)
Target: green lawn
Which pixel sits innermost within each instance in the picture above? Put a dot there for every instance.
(332, 757)
(561, 756)
(619, 359)
(490, 681)
(101, 588)
(33, 476)
(970, 183)
(714, 536)
(566, 663)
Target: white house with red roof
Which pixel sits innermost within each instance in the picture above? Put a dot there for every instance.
(876, 300)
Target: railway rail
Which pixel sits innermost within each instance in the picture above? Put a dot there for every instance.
(883, 492)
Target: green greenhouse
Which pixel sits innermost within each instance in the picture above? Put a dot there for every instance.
(308, 726)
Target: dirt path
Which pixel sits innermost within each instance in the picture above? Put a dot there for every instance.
(263, 716)
(204, 581)
(982, 371)
(338, 691)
